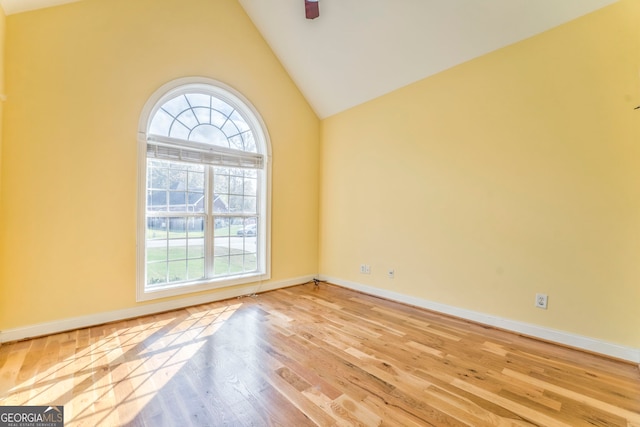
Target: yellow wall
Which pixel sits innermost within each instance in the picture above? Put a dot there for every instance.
(78, 77)
(515, 173)
(2, 44)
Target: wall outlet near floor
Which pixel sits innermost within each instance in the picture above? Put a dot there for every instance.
(365, 269)
(391, 273)
(541, 301)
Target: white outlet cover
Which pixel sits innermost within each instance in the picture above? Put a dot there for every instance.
(542, 301)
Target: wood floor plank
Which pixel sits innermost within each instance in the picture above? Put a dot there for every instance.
(314, 355)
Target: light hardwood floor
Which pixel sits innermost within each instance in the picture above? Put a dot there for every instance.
(314, 356)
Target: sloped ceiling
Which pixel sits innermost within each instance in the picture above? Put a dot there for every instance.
(358, 50)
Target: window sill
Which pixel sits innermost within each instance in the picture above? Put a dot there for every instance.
(185, 288)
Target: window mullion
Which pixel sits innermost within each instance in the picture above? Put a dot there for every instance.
(209, 237)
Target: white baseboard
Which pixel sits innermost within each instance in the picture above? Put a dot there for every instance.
(564, 338)
(58, 326)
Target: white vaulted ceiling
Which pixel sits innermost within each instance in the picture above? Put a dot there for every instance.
(358, 50)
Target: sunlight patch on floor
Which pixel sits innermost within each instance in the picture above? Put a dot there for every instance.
(139, 356)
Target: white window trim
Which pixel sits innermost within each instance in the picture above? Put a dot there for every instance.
(234, 98)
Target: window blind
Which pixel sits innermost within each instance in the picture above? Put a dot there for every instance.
(165, 148)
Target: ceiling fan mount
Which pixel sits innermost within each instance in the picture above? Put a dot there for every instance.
(311, 8)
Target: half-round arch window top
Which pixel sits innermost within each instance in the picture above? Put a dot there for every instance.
(203, 118)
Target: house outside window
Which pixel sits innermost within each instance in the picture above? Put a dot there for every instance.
(204, 178)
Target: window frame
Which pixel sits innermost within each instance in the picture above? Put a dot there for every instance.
(254, 120)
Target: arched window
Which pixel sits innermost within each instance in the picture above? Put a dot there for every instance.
(203, 190)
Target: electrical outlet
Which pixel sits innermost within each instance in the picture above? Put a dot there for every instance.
(391, 273)
(365, 269)
(541, 301)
